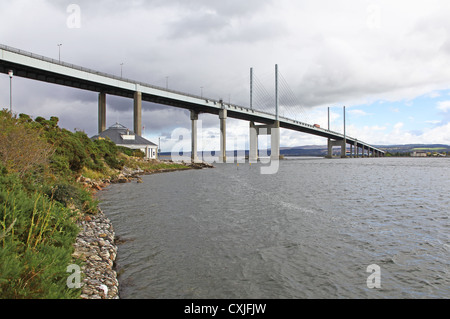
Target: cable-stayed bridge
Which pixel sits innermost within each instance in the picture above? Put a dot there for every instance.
(263, 114)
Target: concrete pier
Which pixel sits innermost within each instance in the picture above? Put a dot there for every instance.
(274, 131)
(137, 113)
(341, 143)
(101, 112)
(194, 120)
(223, 135)
(344, 148)
(253, 147)
(275, 141)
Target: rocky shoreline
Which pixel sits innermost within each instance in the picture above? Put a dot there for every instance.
(127, 175)
(96, 244)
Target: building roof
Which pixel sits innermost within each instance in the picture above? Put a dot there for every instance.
(121, 135)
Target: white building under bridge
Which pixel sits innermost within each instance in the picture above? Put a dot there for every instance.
(122, 136)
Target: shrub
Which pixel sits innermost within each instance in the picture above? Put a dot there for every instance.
(22, 147)
(36, 238)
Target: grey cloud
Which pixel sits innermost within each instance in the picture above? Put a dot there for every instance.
(223, 21)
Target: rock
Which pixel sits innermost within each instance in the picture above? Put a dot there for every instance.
(122, 179)
(95, 245)
(95, 258)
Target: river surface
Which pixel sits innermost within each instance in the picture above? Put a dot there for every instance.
(309, 231)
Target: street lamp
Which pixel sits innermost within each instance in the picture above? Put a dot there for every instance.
(121, 67)
(10, 73)
(159, 147)
(59, 46)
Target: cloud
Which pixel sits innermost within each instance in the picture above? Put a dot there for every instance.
(398, 126)
(359, 112)
(443, 106)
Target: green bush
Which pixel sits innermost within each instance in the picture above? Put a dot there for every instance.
(73, 196)
(131, 152)
(36, 243)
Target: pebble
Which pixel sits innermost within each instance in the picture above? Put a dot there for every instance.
(96, 247)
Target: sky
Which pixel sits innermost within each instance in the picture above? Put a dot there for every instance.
(387, 62)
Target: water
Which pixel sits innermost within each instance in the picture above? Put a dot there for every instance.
(309, 231)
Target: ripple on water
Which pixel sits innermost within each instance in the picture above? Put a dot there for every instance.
(310, 231)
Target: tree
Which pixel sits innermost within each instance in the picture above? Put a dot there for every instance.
(22, 148)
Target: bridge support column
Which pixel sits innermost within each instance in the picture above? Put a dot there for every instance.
(253, 147)
(275, 141)
(223, 135)
(101, 112)
(138, 113)
(274, 132)
(194, 119)
(344, 148)
(329, 149)
(356, 149)
(341, 143)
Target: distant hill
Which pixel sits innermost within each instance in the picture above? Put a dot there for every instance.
(321, 150)
(415, 147)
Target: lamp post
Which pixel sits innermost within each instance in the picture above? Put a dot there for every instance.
(59, 47)
(121, 68)
(159, 146)
(10, 73)
(344, 123)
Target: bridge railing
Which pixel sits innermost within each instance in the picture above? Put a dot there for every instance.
(112, 76)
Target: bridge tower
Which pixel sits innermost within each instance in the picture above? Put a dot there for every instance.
(272, 129)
